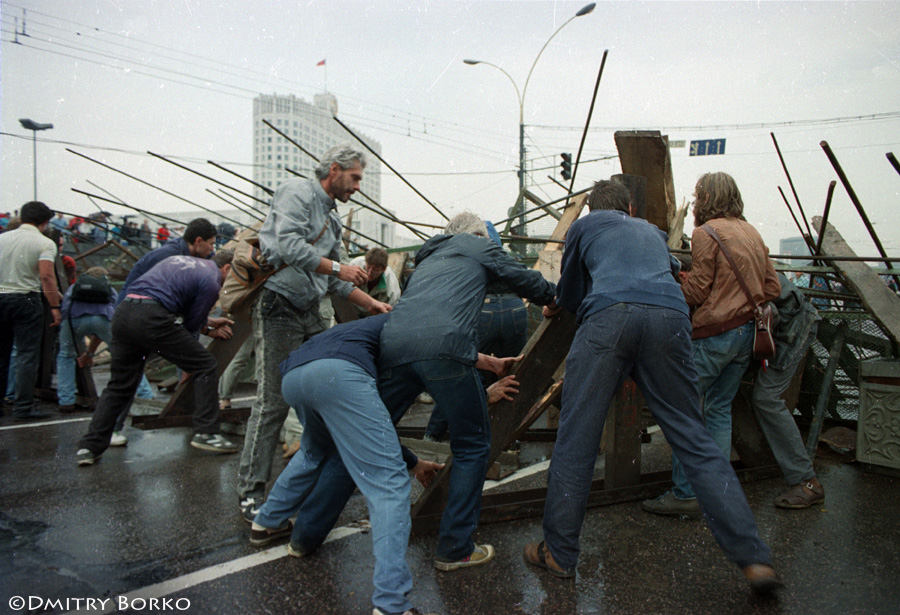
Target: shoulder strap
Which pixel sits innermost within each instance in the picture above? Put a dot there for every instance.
(712, 233)
(322, 232)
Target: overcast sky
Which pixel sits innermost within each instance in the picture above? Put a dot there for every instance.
(120, 77)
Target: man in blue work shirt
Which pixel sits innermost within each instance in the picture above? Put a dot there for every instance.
(618, 277)
(162, 313)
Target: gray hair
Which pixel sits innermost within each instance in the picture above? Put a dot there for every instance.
(346, 157)
(466, 222)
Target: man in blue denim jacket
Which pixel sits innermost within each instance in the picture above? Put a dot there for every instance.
(619, 278)
(302, 233)
(430, 342)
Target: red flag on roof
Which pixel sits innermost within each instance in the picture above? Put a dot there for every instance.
(322, 63)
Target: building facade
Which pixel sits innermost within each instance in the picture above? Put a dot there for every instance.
(311, 125)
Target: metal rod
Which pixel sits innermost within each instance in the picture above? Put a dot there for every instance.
(204, 176)
(791, 184)
(153, 217)
(806, 238)
(385, 163)
(146, 183)
(353, 230)
(893, 160)
(855, 200)
(834, 356)
(123, 204)
(587, 124)
(268, 191)
(384, 211)
(218, 196)
(825, 213)
(554, 202)
(237, 201)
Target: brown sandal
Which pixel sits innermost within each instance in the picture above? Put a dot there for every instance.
(802, 495)
(537, 554)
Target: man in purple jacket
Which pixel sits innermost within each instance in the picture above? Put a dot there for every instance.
(162, 313)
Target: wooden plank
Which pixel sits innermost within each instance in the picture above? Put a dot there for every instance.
(182, 402)
(623, 438)
(646, 153)
(879, 300)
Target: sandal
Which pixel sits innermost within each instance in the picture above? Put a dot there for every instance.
(537, 554)
(802, 495)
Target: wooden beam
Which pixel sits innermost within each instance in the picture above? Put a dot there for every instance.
(646, 153)
(879, 300)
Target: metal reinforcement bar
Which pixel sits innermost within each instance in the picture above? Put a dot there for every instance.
(146, 183)
(855, 200)
(268, 191)
(825, 213)
(385, 163)
(204, 176)
(587, 124)
(791, 184)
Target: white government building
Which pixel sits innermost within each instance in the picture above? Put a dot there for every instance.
(312, 126)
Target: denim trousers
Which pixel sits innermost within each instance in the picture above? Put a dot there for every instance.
(775, 420)
(140, 329)
(457, 389)
(651, 345)
(721, 361)
(22, 324)
(344, 416)
(278, 329)
(502, 332)
(89, 324)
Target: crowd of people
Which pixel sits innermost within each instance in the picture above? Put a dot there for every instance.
(454, 332)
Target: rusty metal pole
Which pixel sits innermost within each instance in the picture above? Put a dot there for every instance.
(893, 160)
(834, 356)
(791, 184)
(855, 200)
(825, 213)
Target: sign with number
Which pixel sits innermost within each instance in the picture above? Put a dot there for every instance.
(707, 147)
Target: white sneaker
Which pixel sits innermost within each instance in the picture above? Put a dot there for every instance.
(118, 439)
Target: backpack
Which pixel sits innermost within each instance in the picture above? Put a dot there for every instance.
(249, 271)
(92, 289)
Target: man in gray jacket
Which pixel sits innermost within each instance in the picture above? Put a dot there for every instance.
(430, 342)
(302, 231)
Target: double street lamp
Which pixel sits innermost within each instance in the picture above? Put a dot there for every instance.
(34, 127)
(521, 96)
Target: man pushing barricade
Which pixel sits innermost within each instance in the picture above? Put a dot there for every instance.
(162, 313)
(619, 279)
(301, 237)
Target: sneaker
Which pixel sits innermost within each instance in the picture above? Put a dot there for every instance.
(378, 611)
(261, 536)
(118, 439)
(481, 555)
(213, 442)
(667, 504)
(84, 457)
(249, 509)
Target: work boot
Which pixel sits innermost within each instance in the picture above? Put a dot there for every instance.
(802, 495)
(762, 578)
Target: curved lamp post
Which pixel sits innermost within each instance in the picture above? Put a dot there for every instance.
(521, 96)
(34, 127)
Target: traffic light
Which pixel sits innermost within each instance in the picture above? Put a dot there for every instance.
(566, 165)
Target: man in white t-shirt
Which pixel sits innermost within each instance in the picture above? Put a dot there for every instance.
(27, 269)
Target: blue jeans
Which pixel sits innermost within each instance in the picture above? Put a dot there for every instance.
(278, 329)
(65, 361)
(11, 375)
(457, 388)
(22, 324)
(349, 422)
(721, 361)
(502, 332)
(651, 345)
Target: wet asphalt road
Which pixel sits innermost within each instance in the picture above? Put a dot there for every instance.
(159, 519)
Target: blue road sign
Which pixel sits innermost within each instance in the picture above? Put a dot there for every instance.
(707, 147)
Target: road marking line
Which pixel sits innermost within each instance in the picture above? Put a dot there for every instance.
(212, 573)
(44, 423)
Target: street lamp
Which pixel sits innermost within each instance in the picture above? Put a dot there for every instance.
(34, 127)
(521, 96)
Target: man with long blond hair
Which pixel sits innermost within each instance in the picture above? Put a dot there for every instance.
(722, 320)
